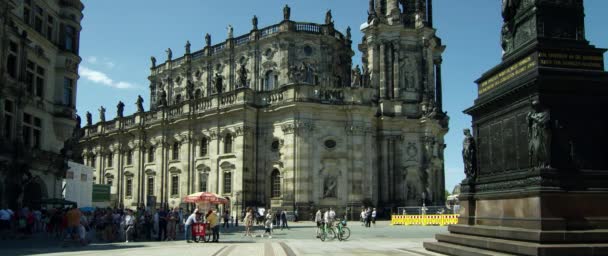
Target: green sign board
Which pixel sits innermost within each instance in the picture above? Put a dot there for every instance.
(101, 193)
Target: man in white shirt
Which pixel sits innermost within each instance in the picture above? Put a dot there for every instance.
(187, 226)
(319, 221)
(129, 224)
(374, 217)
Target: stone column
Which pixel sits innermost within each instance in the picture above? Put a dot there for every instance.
(438, 86)
(396, 71)
(384, 169)
(382, 69)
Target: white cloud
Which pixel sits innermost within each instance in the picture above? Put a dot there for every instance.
(102, 78)
(92, 59)
(110, 64)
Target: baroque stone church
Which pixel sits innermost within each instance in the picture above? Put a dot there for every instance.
(279, 118)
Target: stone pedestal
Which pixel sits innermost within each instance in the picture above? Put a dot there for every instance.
(541, 183)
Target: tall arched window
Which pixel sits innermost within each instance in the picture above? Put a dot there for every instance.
(175, 150)
(150, 154)
(203, 150)
(129, 157)
(150, 188)
(202, 182)
(275, 183)
(227, 182)
(270, 81)
(228, 143)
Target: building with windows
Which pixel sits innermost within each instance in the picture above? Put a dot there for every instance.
(38, 73)
(279, 118)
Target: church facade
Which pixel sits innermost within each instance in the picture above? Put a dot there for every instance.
(279, 118)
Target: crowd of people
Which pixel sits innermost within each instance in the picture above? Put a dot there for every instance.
(368, 217)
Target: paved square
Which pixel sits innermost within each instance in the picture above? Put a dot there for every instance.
(298, 240)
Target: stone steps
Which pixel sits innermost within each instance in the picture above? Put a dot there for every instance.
(512, 247)
(459, 250)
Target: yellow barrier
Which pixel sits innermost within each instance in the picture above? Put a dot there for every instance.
(424, 220)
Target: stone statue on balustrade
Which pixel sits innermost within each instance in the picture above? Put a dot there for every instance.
(286, 12)
(162, 101)
(153, 60)
(230, 31)
(188, 47)
(120, 108)
(219, 86)
(469, 155)
(243, 76)
(207, 39)
(89, 118)
(140, 104)
(328, 18)
(348, 34)
(190, 90)
(169, 54)
(356, 77)
(254, 22)
(102, 114)
(539, 136)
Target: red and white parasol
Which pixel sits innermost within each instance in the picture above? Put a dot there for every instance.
(205, 197)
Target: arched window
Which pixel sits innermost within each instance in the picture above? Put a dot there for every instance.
(270, 81)
(175, 150)
(129, 187)
(174, 185)
(275, 183)
(227, 182)
(110, 159)
(151, 155)
(228, 143)
(202, 181)
(309, 76)
(203, 150)
(150, 188)
(129, 157)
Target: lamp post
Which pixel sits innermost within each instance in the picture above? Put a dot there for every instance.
(236, 224)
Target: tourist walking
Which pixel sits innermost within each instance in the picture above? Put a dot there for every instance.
(129, 224)
(248, 221)
(363, 217)
(268, 224)
(368, 217)
(226, 219)
(214, 225)
(162, 225)
(374, 217)
(172, 220)
(284, 220)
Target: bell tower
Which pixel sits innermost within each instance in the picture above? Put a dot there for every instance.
(402, 60)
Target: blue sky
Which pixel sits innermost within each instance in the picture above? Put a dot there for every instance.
(119, 36)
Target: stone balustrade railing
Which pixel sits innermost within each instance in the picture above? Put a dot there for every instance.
(243, 96)
(283, 27)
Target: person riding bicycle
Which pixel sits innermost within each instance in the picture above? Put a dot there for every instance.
(319, 221)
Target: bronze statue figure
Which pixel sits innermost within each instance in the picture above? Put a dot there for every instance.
(120, 108)
(539, 132)
(153, 61)
(89, 118)
(207, 39)
(188, 47)
(140, 104)
(286, 12)
(230, 31)
(469, 154)
(102, 114)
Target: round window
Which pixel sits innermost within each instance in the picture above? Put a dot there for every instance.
(330, 144)
(307, 50)
(275, 145)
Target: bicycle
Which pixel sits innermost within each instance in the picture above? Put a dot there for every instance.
(327, 232)
(343, 231)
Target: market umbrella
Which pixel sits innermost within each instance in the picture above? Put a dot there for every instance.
(205, 197)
